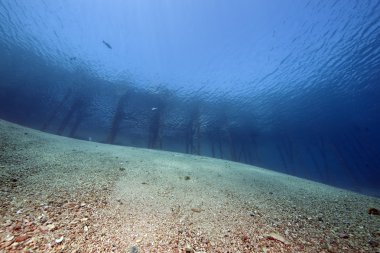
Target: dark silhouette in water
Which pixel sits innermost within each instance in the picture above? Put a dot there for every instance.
(56, 110)
(156, 125)
(193, 131)
(107, 45)
(76, 106)
(118, 117)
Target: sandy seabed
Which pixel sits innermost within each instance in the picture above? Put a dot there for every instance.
(64, 195)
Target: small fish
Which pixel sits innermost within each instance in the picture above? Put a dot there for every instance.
(154, 108)
(107, 45)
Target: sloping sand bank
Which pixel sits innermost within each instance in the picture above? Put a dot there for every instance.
(64, 195)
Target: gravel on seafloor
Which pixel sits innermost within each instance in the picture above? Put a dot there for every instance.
(63, 195)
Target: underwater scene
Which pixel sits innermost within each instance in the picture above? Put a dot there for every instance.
(190, 126)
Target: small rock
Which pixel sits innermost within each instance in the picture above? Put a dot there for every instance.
(43, 229)
(189, 249)
(373, 211)
(196, 210)
(7, 223)
(59, 240)
(9, 237)
(122, 169)
(22, 238)
(133, 249)
(373, 243)
(276, 237)
(85, 229)
(187, 178)
(343, 235)
(16, 227)
(43, 220)
(50, 227)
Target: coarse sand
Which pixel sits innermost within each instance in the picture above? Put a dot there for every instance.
(64, 195)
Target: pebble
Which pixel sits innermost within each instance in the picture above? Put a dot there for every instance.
(189, 249)
(343, 235)
(373, 211)
(276, 237)
(22, 238)
(59, 240)
(16, 227)
(133, 249)
(50, 227)
(43, 220)
(9, 237)
(373, 243)
(7, 223)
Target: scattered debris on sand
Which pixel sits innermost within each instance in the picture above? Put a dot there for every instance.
(54, 198)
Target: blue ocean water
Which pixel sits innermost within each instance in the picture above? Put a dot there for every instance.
(291, 85)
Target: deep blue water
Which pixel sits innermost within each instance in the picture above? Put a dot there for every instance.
(292, 86)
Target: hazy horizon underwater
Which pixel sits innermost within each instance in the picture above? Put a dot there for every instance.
(284, 94)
